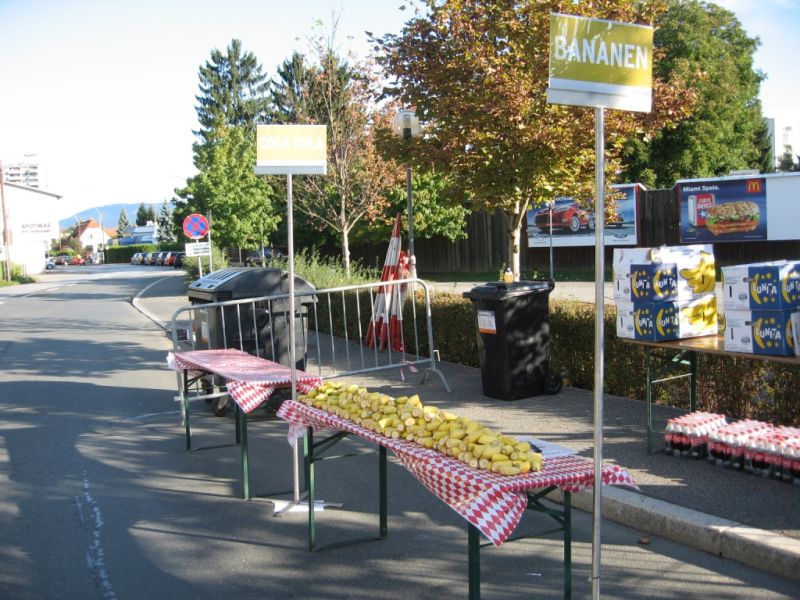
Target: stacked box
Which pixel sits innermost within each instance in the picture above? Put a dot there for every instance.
(760, 300)
(796, 332)
(665, 293)
(675, 319)
(761, 286)
(760, 332)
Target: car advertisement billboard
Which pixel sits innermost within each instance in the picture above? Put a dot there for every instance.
(573, 224)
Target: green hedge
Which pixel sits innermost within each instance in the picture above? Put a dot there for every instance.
(735, 387)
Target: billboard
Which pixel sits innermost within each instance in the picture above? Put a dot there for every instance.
(291, 150)
(574, 225)
(599, 63)
(739, 209)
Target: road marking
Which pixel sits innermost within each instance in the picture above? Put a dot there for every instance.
(95, 554)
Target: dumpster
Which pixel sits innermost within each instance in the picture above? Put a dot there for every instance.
(513, 328)
(260, 328)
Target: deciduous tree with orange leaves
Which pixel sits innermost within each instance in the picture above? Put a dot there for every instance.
(476, 72)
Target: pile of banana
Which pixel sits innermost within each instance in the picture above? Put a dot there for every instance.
(406, 418)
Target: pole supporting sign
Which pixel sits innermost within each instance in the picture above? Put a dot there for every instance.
(599, 63)
(291, 150)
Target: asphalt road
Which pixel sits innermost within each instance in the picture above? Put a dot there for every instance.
(99, 499)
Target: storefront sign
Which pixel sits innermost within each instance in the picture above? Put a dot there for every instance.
(291, 150)
(599, 63)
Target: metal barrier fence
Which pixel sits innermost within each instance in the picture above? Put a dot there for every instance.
(338, 330)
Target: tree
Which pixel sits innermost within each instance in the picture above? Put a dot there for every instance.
(123, 224)
(335, 93)
(786, 161)
(240, 202)
(233, 92)
(706, 43)
(145, 215)
(476, 73)
(232, 100)
(765, 162)
(166, 227)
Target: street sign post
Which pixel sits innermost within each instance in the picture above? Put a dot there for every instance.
(292, 150)
(600, 64)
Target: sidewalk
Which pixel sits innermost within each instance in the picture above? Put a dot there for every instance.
(735, 515)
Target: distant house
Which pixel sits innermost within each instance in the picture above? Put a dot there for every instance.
(91, 235)
(140, 234)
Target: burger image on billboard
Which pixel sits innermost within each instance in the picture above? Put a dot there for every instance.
(730, 217)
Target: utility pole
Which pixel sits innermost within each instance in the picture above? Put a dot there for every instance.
(6, 232)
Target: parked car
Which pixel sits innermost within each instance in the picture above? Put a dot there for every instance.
(149, 258)
(567, 215)
(261, 257)
(62, 259)
(169, 259)
(49, 263)
(77, 260)
(178, 262)
(136, 259)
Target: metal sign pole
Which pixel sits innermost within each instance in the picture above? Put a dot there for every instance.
(599, 288)
(292, 360)
(210, 263)
(6, 230)
(199, 261)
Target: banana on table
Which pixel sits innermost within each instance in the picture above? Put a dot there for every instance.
(405, 417)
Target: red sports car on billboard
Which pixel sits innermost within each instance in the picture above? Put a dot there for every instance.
(567, 214)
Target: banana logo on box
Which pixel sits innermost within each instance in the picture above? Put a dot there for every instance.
(767, 334)
(701, 314)
(790, 287)
(702, 277)
(763, 289)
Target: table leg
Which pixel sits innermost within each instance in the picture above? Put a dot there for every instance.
(567, 545)
(241, 420)
(185, 398)
(649, 363)
(474, 561)
(308, 452)
(238, 425)
(692, 381)
(382, 492)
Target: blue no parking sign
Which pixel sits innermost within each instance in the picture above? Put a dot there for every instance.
(195, 226)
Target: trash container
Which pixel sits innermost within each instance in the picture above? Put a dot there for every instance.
(513, 328)
(260, 328)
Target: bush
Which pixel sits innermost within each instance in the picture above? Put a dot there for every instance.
(326, 272)
(735, 387)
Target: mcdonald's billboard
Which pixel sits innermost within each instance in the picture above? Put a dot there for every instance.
(740, 208)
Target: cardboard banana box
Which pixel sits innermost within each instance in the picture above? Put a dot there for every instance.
(761, 286)
(672, 320)
(695, 269)
(760, 332)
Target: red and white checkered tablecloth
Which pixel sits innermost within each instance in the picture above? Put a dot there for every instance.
(250, 380)
(493, 503)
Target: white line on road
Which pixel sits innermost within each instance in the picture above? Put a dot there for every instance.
(95, 555)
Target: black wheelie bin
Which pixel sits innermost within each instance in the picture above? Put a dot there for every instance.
(513, 328)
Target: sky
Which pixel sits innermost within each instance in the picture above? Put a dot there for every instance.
(102, 92)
